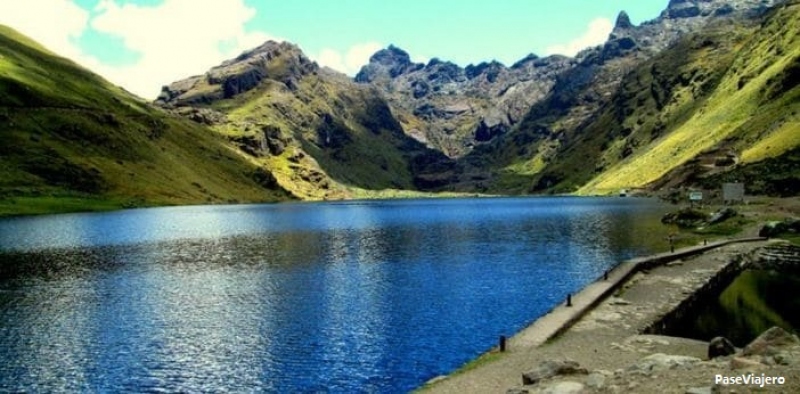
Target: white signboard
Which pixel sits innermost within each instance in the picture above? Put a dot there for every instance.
(696, 196)
(733, 192)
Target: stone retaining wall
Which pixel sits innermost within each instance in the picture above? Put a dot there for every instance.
(781, 258)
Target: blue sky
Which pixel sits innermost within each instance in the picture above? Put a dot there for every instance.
(143, 44)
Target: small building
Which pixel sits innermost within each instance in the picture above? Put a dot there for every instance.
(733, 192)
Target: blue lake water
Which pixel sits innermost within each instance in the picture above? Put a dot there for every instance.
(303, 297)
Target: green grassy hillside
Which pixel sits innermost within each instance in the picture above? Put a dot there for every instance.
(321, 134)
(719, 101)
(718, 104)
(72, 141)
(737, 101)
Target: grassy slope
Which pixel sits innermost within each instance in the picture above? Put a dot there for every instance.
(653, 99)
(72, 141)
(753, 109)
(358, 150)
(729, 88)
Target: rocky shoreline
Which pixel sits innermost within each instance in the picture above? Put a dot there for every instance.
(605, 351)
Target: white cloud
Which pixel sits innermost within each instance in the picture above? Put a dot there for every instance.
(351, 61)
(596, 33)
(175, 39)
(52, 23)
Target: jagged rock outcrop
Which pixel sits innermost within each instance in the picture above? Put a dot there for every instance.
(458, 107)
(577, 85)
(386, 64)
(315, 129)
(565, 139)
(283, 62)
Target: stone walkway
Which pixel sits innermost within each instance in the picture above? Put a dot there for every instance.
(562, 317)
(531, 345)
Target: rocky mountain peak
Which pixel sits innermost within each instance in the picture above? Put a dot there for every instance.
(280, 61)
(266, 51)
(623, 21)
(532, 57)
(681, 9)
(491, 69)
(387, 63)
(391, 56)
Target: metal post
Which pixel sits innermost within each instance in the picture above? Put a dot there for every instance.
(569, 299)
(502, 343)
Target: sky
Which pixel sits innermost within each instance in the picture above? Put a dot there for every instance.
(142, 45)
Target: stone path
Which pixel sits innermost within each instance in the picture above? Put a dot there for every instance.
(562, 317)
(601, 331)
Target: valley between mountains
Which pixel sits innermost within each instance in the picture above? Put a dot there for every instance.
(704, 94)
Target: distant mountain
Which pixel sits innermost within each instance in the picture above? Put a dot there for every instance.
(73, 141)
(321, 134)
(454, 109)
(450, 108)
(616, 107)
(705, 93)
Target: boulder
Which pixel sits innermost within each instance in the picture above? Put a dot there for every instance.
(252, 145)
(275, 141)
(596, 380)
(564, 388)
(660, 362)
(722, 215)
(550, 368)
(745, 363)
(774, 229)
(720, 347)
(770, 342)
(785, 358)
(684, 218)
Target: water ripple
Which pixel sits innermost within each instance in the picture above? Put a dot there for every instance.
(368, 297)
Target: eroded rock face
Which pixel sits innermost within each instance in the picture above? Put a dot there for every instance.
(282, 62)
(386, 64)
(418, 92)
(679, 9)
(497, 96)
(770, 343)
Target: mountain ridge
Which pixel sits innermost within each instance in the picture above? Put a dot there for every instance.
(336, 137)
(73, 141)
(706, 92)
(468, 111)
(526, 158)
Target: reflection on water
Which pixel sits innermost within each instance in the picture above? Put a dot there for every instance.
(754, 302)
(342, 297)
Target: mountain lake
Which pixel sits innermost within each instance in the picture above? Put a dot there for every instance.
(354, 296)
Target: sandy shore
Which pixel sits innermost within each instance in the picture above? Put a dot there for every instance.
(606, 340)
